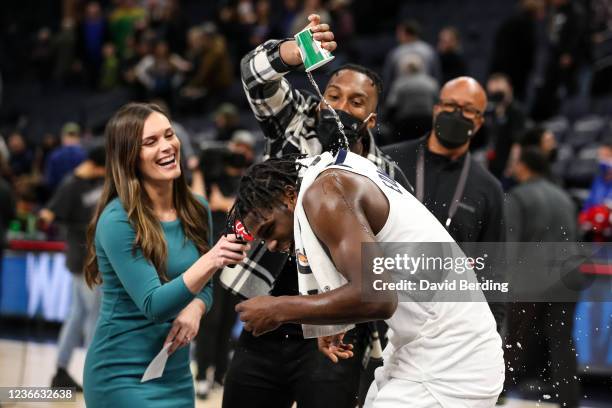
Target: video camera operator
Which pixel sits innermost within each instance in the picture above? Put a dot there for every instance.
(222, 166)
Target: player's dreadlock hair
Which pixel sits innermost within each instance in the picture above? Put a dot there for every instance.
(263, 186)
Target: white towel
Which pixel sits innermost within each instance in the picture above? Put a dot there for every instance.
(316, 271)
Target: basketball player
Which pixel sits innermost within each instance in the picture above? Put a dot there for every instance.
(440, 354)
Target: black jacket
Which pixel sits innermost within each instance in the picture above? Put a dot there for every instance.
(479, 217)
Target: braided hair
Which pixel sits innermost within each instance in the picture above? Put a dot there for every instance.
(263, 186)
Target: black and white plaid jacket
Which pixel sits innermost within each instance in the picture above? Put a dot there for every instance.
(287, 117)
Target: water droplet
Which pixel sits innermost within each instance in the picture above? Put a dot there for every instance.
(336, 117)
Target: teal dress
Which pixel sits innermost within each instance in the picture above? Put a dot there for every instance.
(136, 315)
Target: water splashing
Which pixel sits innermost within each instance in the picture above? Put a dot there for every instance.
(344, 142)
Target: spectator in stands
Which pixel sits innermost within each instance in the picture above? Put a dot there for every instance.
(73, 205)
(408, 34)
(344, 22)
(568, 51)
(452, 61)
(48, 144)
(264, 27)
(600, 17)
(4, 151)
(411, 100)
(246, 12)
(93, 34)
(212, 70)
(532, 208)
(123, 21)
(223, 168)
(227, 121)
(542, 139)
(161, 73)
(42, 55)
(596, 215)
(287, 15)
(570, 43)
(110, 69)
(7, 212)
(310, 7)
(65, 158)
(515, 45)
(64, 46)
(505, 124)
(167, 20)
(601, 189)
(21, 158)
(136, 51)
(235, 24)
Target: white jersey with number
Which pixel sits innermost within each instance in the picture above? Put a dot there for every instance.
(451, 348)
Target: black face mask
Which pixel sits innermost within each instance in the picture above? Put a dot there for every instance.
(452, 129)
(237, 160)
(553, 155)
(497, 97)
(329, 135)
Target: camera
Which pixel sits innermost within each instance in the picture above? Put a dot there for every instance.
(214, 161)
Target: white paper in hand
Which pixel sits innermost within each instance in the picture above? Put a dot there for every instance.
(157, 365)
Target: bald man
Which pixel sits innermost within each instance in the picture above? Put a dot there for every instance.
(449, 174)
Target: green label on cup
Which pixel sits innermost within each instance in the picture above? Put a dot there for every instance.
(311, 51)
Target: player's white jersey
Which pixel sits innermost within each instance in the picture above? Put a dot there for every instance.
(453, 348)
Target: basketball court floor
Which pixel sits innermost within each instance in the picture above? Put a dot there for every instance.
(33, 364)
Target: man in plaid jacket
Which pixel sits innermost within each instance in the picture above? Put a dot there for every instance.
(281, 367)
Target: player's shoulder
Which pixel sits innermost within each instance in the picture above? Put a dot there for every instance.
(336, 184)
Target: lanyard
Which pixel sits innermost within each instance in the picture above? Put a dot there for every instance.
(420, 182)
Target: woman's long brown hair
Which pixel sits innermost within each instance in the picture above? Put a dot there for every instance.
(123, 143)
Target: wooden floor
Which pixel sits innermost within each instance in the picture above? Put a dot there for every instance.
(35, 363)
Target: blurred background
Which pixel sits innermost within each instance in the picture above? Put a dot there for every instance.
(66, 66)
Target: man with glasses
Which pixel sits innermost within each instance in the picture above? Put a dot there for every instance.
(461, 193)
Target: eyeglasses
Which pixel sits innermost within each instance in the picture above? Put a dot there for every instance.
(468, 112)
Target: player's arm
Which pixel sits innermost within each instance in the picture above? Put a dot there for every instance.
(336, 206)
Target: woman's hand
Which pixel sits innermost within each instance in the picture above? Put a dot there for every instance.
(227, 251)
(186, 325)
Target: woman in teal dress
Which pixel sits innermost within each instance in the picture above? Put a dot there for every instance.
(149, 247)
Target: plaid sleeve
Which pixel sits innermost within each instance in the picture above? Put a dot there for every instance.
(273, 100)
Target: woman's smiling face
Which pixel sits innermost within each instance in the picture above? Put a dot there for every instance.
(160, 150)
